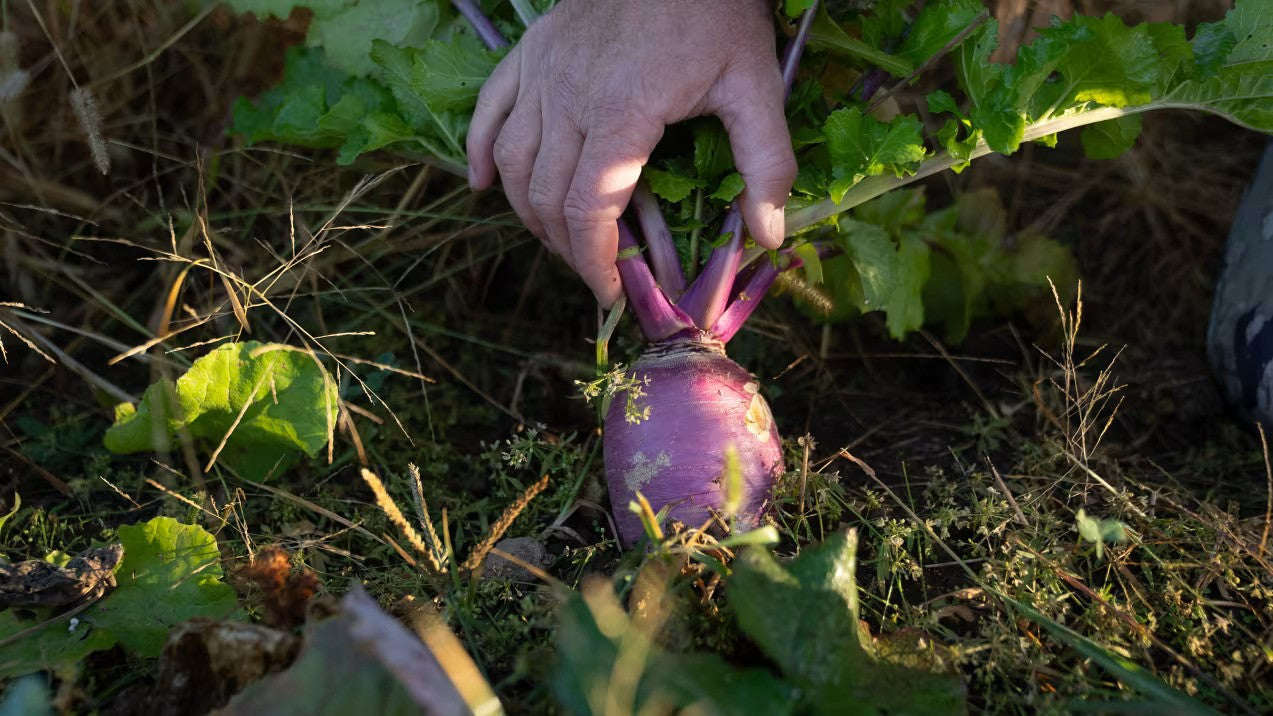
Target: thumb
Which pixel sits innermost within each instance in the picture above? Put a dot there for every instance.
(761, 143)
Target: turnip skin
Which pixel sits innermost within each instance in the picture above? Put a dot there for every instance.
(700, 403)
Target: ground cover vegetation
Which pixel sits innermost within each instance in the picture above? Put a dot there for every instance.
(265, 356)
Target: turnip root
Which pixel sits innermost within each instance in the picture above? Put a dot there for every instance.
(701, 403)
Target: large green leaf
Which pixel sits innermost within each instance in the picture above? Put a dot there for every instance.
(52, 648)
(874, 255)
(594, 633)
(904, 309)
(862, 146)
(170, 572)
(266, 403)
(436, 87)
(815, 637)
(316, 106)
(345, 29)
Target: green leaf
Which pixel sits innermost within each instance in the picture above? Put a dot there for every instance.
(977, 75)
(894, 211)
(1174, 53)
(862, 146)
(1212, 43)
(730, 187)
(812, 263)
(346, 29)
(1105, 61)
(316, 106)
(905, 307)
(347, 35)
(713, 157)
(825, 34)
(671, 186)
(794, 7)
(273, 403)
(1099, 531)
(444, 76)
(937, 25)
(436, 88)
(886, 22)
(53, 648)
(815, 639)
(941, 101)
(374, 132)
(1251, 24)
(1109, 139)
(171, 572)
(874, 256)
(946, 301)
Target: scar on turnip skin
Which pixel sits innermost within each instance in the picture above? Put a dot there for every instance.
(643, 470)
(758, 418)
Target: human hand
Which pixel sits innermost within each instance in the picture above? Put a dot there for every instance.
(573, 112)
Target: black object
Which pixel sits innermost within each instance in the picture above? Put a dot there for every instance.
(1240, 339)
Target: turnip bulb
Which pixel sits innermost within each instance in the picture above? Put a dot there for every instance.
(700, 403)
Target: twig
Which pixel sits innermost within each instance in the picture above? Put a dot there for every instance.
(1007, 494)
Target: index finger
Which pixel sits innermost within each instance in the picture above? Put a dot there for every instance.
(494, 102)
(605, 177)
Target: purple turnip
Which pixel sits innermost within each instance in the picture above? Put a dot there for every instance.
(701, 404)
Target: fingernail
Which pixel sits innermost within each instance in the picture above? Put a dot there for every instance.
(778, 226)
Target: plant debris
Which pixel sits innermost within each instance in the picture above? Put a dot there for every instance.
(41, 583)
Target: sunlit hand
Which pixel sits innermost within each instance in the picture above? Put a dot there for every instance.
(573, 112)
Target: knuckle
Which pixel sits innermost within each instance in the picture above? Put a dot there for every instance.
(544, 202)
(511, 155)
(583, 209)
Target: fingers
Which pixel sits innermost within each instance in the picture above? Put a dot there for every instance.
(494, 102)
(608, 169)
(753, 117)
(550, 180)
(515, 152)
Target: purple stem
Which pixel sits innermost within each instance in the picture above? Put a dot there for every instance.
(753, 284)
(659, 317)
(706, 297)
(705, 300)
(870, 83)
(747, 298)
(658, 239)
(795, 49)
(482, 25)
